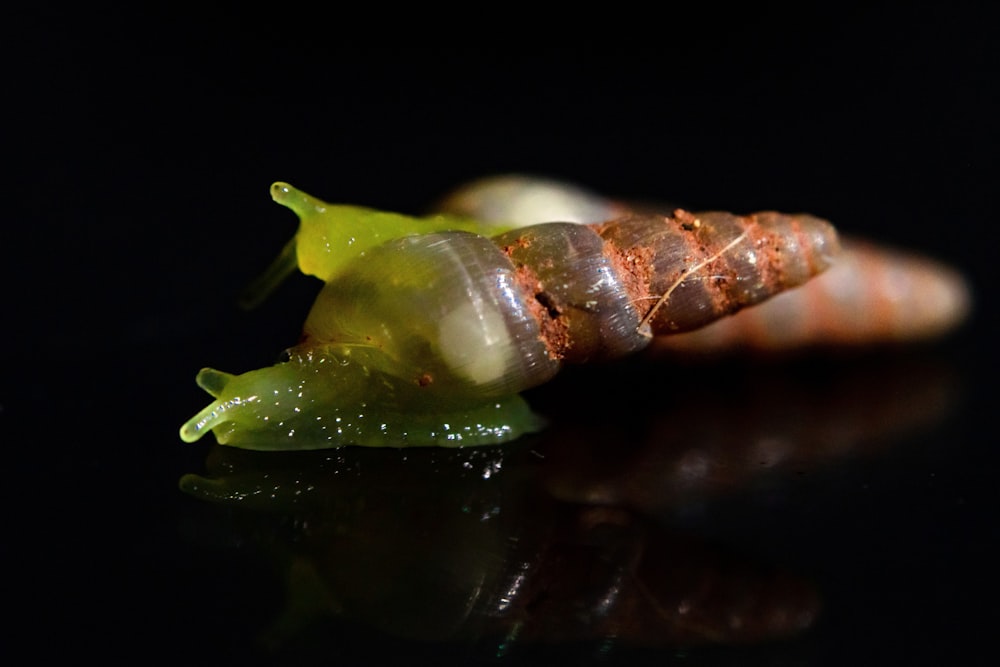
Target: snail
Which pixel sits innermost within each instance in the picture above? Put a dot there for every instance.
(427, 330)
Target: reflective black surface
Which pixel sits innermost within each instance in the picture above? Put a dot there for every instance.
(855, 492)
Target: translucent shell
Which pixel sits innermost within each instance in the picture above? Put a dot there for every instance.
(443, 310)
(571, 282)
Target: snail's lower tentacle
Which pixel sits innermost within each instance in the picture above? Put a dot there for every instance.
(203, 422)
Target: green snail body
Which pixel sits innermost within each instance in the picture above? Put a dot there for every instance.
(331, 235)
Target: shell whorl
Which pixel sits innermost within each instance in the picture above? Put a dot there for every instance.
(690, 269)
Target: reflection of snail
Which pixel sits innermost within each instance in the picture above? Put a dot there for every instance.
(467, 547)
(426, 338)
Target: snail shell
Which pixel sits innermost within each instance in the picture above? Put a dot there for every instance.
(427, 338)
(872, 295)
(485, 318)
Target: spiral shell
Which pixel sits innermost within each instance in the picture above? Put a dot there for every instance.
(484, 318)
(872, 295)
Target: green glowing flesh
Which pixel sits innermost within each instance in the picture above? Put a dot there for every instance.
(323, 401)
(353, 383)
(331, 235)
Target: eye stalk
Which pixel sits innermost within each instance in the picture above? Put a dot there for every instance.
(332, 235)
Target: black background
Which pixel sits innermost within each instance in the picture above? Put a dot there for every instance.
(139, 150)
